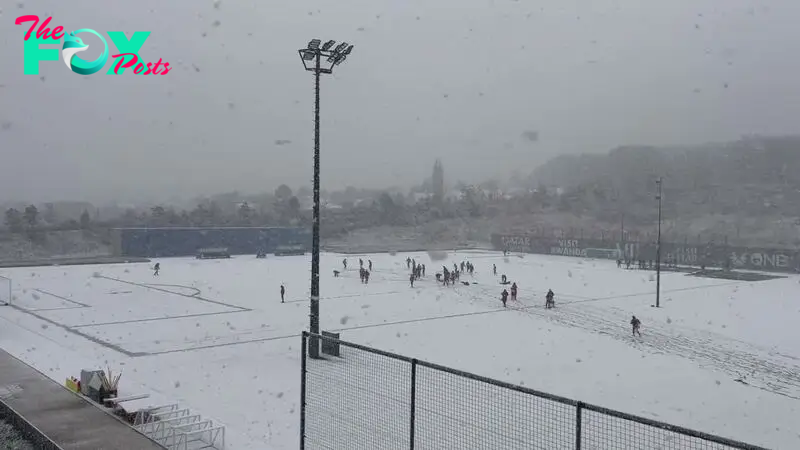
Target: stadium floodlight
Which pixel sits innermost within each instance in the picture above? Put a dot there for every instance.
(333, 58)
(659, 182)
(339, 48)
(337, 58)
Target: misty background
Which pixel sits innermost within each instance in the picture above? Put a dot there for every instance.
(490, 87)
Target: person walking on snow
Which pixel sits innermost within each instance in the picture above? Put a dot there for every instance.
(283, 292)
(344, 263)
(635, 324)
(514, 291)
(370, 265)
(549, 299)
(494, 269)
(156, 268)
(504, 297)
(411, 279)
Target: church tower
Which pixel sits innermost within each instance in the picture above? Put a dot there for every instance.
(437, 180)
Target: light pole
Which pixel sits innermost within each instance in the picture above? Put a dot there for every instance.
(623, 253)
(658, 247)
(312, 57)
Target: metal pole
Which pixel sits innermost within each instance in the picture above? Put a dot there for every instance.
(578, 425)
(413, 418)
(658, 250)
(622, 237)
(313, 349)
(303, 392)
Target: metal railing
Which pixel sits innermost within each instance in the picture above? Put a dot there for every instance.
(370, 399)
(177, 428)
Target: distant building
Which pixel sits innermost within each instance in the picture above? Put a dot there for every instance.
(437, 180)
(454, 195)
(420, 196)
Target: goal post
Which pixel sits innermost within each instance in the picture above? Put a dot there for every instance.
(5, 291)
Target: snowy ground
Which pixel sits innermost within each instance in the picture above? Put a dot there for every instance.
(213, 336)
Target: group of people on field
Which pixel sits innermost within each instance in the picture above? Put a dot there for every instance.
(549, 297)
(363, 272)
(449, 277)
(417, 270)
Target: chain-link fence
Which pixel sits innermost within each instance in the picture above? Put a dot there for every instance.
(364, 398)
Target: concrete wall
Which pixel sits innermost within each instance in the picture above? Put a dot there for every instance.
(164, 242)
(711, 255)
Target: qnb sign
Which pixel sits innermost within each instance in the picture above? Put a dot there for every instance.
(127, 56)
(760, 259)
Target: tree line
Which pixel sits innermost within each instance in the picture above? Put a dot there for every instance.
(355, 209)
(29, 219)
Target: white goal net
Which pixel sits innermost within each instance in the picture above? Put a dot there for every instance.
(5, 290)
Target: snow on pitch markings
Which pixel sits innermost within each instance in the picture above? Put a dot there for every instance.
(202, 321)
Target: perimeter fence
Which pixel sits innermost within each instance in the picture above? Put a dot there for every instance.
(356, 397)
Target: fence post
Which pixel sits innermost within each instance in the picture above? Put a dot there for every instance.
(578, 431)
(413, 417)
(303, 391)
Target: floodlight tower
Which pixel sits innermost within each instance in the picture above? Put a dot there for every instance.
(312, 57)
(658, 247)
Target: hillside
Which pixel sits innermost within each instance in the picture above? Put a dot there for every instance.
(755, 178)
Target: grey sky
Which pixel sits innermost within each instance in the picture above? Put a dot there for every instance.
(458, 79)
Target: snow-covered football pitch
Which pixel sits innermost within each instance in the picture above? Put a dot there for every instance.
(719, 356)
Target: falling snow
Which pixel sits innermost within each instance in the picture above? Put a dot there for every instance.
(227, 363)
